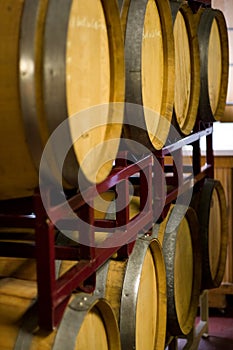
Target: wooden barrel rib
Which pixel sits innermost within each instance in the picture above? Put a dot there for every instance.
(88, 323)
(187, 68)
(136, 289)
(45, 81)
(16, 170)
(179, 236)
(212, 214)
(214, 62)
(149, 57)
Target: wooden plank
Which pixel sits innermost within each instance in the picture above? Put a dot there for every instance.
(225, 175)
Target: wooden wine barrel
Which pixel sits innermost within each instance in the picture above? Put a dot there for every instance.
(149, 59)
(179, 236)
(212, 214)
(136, 290)
(187, 67)
(214, 62)
(44, 81)
(25, 268)
(88, 322)
(21, 268)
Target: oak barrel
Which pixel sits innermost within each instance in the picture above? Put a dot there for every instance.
(212, 214)
(149, 60)
(59, 59)
(88, 322)
(179, 236)
(214, 62)
(136, 290)
(21, 268)
(187, 67)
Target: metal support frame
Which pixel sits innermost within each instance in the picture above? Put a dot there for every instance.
(200, 173)
(201, 329)
(53, 293)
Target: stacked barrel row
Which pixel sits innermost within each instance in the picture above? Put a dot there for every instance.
(155, 292)
(67, 69)
(139, 302)
(64, 79)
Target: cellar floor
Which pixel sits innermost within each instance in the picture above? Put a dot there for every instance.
(220, 334)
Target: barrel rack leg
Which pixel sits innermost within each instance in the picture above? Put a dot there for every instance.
(201, 329)
(198, 331)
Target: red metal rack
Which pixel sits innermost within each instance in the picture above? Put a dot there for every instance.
(54, 293)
